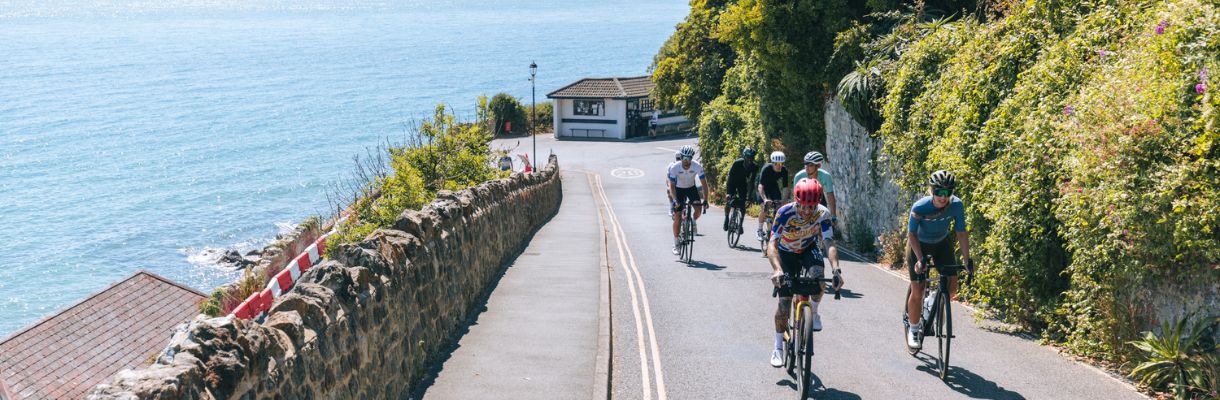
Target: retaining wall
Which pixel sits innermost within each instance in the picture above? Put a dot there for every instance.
(369, 323)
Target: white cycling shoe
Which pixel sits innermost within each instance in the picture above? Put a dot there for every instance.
(777, 358)
(817, 322)
(913, 340)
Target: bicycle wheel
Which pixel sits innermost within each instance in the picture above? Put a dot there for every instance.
(689, 237)
(805, 351)
(944, 333)
(734, 223)
(790, 343)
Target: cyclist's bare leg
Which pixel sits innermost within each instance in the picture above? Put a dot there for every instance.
(913, 313)
(677, 220)
(953, 287)
(781, 314)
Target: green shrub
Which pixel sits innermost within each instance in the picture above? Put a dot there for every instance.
(545, 117)
(505, 112)
(1184, 361)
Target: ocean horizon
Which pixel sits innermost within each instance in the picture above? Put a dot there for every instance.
(145, 136)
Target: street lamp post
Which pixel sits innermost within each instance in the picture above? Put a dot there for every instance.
(533, 115)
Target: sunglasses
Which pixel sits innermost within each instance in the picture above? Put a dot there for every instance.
(942, 192)
(687, 157)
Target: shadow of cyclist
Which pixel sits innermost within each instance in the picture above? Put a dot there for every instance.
(705, 265)
(963, 381)
(819, 390)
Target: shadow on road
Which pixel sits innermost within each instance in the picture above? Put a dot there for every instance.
(963, 381)
(748, 248)
(848, 294)
(705, 265)
(820, 391)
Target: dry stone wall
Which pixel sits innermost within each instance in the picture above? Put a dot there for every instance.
(370, 322)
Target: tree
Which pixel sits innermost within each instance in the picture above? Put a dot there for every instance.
(506, 113)
(690, 67)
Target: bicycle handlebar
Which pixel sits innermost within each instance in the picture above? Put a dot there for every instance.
(928, 263)
(787, 281)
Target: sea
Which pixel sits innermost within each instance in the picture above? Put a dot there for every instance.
(139, 135)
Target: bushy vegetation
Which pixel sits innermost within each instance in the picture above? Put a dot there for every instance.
(1085, 134)
(444, 154)
(506, 115)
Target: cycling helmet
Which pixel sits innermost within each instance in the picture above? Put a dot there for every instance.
(777, 156)
(677, 156)
(808, 192)
(814, 157)
(747, 153)
(942, 179)
(688, 151)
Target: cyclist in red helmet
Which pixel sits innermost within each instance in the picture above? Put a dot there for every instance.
(794, 247)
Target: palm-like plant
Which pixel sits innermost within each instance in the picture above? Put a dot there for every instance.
(1183, 360)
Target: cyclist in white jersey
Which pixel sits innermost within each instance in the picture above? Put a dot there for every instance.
(682, 179)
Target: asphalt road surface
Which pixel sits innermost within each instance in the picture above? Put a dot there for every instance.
(657, 328)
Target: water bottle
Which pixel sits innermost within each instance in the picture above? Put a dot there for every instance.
(927, 306)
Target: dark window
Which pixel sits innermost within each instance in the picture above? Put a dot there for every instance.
(645, 105)
(588, 107)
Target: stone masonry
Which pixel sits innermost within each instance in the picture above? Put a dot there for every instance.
(368, 323)
(868, 201)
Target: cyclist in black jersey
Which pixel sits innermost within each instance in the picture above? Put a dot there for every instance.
(772, 179)
(737, 186)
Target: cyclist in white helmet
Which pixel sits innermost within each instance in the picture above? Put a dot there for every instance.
(682, 178)
(772, 180)
(677, 159)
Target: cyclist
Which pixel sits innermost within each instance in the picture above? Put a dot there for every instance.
(793, 247)
(813, 164)
(682, 178)
(737, 186)
(677, 158)
(928, 233)
(772, 179)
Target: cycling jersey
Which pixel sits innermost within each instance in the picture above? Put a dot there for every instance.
(772, 181)
(685, 177)
(794, 234)
(741, 174)
(931, 224)
(828, 184)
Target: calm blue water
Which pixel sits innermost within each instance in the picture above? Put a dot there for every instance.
(136, 135)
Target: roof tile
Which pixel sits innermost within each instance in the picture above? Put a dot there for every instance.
(638, 86)
(65, 355)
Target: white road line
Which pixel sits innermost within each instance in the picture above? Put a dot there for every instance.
(621, 238)
(668, 149)
(595, 183)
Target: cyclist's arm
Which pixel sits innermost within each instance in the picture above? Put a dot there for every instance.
(963, 243)
(673, 190)
(773, 257)
(728, 183)
(830, 200)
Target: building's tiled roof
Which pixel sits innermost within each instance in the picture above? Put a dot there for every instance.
(619, 88)
(65, 355)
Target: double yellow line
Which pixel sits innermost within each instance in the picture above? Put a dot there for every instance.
(639, 296)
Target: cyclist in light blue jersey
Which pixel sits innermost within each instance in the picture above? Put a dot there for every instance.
(928, 233)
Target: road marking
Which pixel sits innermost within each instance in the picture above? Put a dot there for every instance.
(631, 268)
(635, 306)
(627, 173)
(668, 149)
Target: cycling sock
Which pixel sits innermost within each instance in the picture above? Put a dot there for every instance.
(779, 341)
(677, 241)
(814, 306)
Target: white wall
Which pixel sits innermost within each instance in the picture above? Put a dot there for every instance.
(614, 109)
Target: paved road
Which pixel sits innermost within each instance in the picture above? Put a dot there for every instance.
(705, 330)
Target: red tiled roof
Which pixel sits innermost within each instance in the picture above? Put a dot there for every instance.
(597, 88)
(65, 355)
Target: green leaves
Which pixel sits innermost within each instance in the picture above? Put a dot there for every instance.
(1184, 360)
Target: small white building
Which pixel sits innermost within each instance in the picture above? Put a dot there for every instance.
(611, 108)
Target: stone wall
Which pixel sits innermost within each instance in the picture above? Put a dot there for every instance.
(369, 323)
(868, 201)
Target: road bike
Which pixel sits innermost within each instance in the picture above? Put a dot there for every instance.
(798, 340)
(737, 215)
(937, 312)
(687, 232)
(768, 208)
